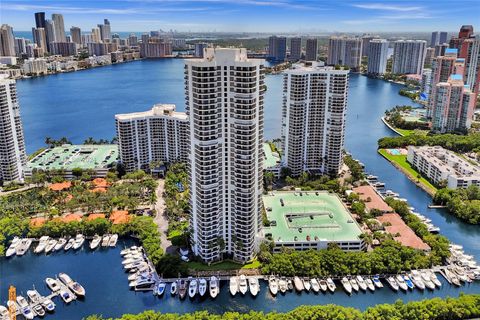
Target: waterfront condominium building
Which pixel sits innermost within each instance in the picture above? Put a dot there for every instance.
(453, 106)
(471, 53)
(377, 56)
(40, 38)
(7, 41)
(12, 150)
(466, 31)
(295, 49)
(366, 43)
(345, 51)
(438, 37)
(224, 102)
(313, 119)
(105, 30)
(408, 56)
(49, 33)
(63, 48)
(277, 48)
(59, 27)
(311, 50)
(76, 34)
(159, 134)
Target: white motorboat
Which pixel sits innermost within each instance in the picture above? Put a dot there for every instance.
(417, 279)
(133, 260)
(354, 284)
(95, 242)
(315, 285)
(202, 286)
(254, 286)
(401, 282)
(242, 284)
(192, 288)
(346, 285)
(23, 246)
(136, 275)
(129, 250)
(69, 244)
(323, 285)
(377, 282)
(105, 240)
(138, 265)
(50, 245)
(214, 287)
(426, 280)
(233, 285)
(60, 244)
(282, 284)
(53, 284)
(298, 284)
(4, 315)
(113, 240)
(38, 310)
(331, 285)
(273, 285)
(79, 240)
(160, 288)
(25, 309)
(33, 296)
(72, 285)
(66, 296)
(361, 282)
(461, 274)
(392, 283)
(173, 288)
(182, 288)
(142, 282)
(48, 305)
(41, 244)
(306, 284)
(434, 278)
(290, 284)
(452, 277)
(12, 248)
(370, 284)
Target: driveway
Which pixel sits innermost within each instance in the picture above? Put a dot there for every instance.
(161, 219)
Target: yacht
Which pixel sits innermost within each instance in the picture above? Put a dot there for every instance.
(331, 285)
(460, 273)
(38, 310)
(79, 240)
(33, 296)
(202, 286)
(377, 282)
(214, 287)
(144, 283)
(72, 285)
(53, 284)
(105, 240)
(41, 244)
(48, 305)
(370, 284)
(282, 285)
(298, 284)
(408, 282)
(401, 282)
(95, 242)
(25, 309)
(354, 284)
(306, 284)
(233, 285)
(132, 259)
(69, 244)
(242, 284)
(273, 285)
(12, 248)
(417, 279)
(132, 249)
(136, 266)
(4, 315)
(182, 289)
(315, 285)
(392, 283)
(66, 296)
(361, 282)
(60, 244)
(323, 285)
(192, 288)
(173, 288)
(113, 240)
(426, 280)
(434, 278)
(23, 246)
(50, 245)
(160, 288)
(254, 286)
(346, 285)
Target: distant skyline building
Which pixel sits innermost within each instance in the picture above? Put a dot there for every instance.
(40, 19)
(408, 56)
(20, 46)
(7, 41)
(63, 48)
(311, 50)
(59, 27)
(224, 102)
(277, 48)
(466, 31)
(295, 49)
(365, 43)
(440, 49)
(76, 34)
(155, 49)
(97, 49)
(438, 37)
(49, 32)
(471, 53)
(12, 153)
(40, 38)
(377, 56)
(132, 39)
(157, 135)
(429, 55)
(105, 30)
(96, 37)
(313, 122)
(345, 51)
(199, 48)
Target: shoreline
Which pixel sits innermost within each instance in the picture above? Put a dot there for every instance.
(391, 127)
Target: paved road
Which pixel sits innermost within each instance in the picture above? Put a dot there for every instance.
(161, 219)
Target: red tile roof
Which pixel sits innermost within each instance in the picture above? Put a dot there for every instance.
(376, 202)
(407, 236)
(60, 186)
(94, 216)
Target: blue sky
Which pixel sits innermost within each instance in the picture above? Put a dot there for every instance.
(250, 15)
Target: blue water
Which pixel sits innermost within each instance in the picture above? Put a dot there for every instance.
(82, 104)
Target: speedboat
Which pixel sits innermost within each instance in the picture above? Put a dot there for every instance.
(323, 285)
(50, 245)
(290, 284)
(144, 283)
(331, 285)
(202, 286)
(48, 305)
(254, 286)
(72, 285)
(298, 284)
(60, 244)
(354, 284)
(192, 288)
(408, 282)
(233, 285)
(392, 283)
(377, 282)
(23, 246)
(160, 288)
(12, 248)
(79, 240)
(242, 284)
(306, 284)
(105, 240)
(25, 309)
(214, 287)
(401, 282)
(95, 242)
(173, 288)
(434, 279)
(33, 296)
(41, 244)
(273, 285)
(53, 284)
(282, 285)
(182, 289)
(113, 240)
(69, 244)
(315, 285)
(4, 314)
(417, 280)
(346, 285)
(38, 310)
(426, 280)
(370, 284)
(66, 296)
(361, 283)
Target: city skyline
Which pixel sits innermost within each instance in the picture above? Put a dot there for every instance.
(264, 15)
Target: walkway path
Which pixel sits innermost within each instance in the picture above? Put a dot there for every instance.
(161, 219)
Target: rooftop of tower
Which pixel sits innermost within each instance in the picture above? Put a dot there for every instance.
(224, 56)
(167, 110)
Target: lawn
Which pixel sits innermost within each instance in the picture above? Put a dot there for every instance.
(406, 132)
(225, 265)
(401, 160)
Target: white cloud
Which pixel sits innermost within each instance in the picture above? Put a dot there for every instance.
(387, 7)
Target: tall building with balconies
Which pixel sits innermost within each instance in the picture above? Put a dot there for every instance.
(345, 51)
(471, 52)
(7, 41)
(311, 50)
(160, 134)
(59, 25)
(12, 150)
(377, 56)
(277, 48)
(408, 56)
(295, 49)
(313, 122)
(224, 103)
(442, 68)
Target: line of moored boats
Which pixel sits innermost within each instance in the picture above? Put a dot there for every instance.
(46, 244)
